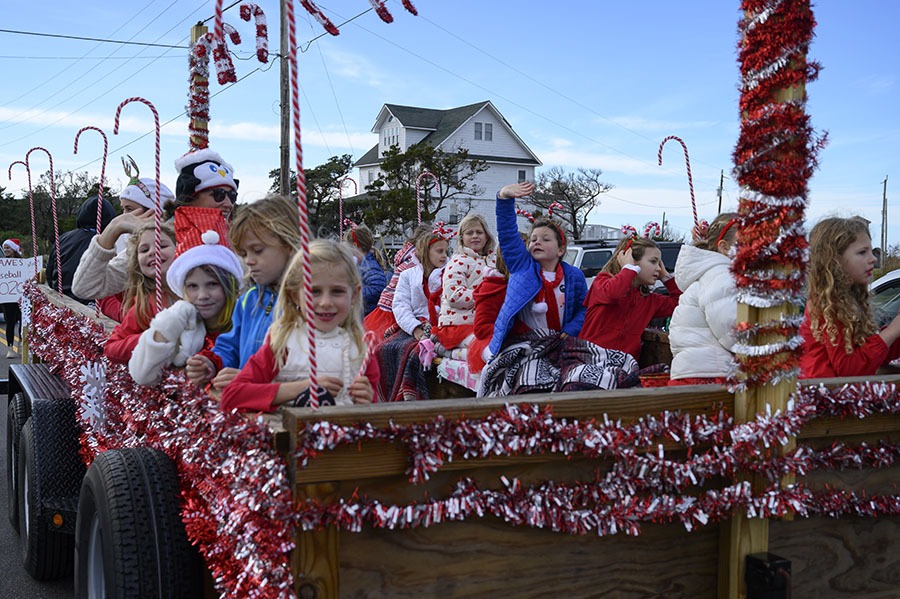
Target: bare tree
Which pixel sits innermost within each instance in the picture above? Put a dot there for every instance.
(578, 192)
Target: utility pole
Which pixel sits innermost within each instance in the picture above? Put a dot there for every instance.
(662, 228)
(284, 182)
(719, 191)
(884, 239)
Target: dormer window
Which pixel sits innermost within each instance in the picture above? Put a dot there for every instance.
(484, 131)
(478, 127)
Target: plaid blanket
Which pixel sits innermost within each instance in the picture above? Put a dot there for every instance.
(543, 361)
(402, 375)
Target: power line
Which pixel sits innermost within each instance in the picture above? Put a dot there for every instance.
(91, 39)
(136, 57)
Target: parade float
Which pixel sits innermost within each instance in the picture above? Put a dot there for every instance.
(756, 489)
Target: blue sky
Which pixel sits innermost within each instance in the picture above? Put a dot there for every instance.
(584, 84)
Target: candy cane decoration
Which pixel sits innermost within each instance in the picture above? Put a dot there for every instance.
(629, 231)
(687, 162)
(319, 16)
(652, 230)
(158, 210)
(55, 217)
(410, 8)
(382, 11)
(302, 207)
(554, 206)
(100, 190)
(371, 343)
(425, 173)
(341, 218)
(441, 229)
(31, 207)
(525, 213)
(249, 10)
(219, 22)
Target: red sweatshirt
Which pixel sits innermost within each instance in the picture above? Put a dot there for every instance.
(618, 313)
(822, 359)
(489, 296)
(254, 388)
(125, 336)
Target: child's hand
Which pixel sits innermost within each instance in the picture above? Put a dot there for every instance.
(361, 390)
(225, 376)
(626, 257)
(663, 273)
(332, 384)
(199, 369)
(516, 190)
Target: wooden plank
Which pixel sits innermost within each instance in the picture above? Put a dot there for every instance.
(314, 562)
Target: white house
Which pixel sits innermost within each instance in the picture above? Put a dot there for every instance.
(479, 128)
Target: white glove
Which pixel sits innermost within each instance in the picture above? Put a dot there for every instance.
(171, 322)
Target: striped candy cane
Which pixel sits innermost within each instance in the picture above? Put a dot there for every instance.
(319, 16)
(219, 22)
(102, 179)
(302, 206)
(341, 218)
(425, 173)
(249, 10)
(525, 213)
(629, 231)
(652, 230)
(31, 207)
(371, 343)
(158, 211)
(55, 217)
(687, 162)
(552, 207)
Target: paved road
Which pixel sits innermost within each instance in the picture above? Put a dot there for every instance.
(15, 583)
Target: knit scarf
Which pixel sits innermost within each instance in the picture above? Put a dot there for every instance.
(547, 295)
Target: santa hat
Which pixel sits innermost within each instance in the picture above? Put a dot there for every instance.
(202, 169)
(143, 191)
(13, 244)
(201, 238)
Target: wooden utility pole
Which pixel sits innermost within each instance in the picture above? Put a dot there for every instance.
(719, 191)
(284, 181)
(884, 225)
(197, 82)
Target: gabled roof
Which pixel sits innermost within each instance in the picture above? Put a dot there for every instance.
(442, 124)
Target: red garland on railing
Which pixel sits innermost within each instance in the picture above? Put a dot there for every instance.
(239, 498)
(774, 158)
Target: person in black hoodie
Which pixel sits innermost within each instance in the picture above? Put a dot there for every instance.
(74, 243)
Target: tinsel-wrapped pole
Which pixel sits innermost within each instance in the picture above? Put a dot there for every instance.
(774, 158)
(198, 94)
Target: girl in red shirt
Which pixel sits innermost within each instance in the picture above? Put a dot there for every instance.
(620, 303)
(839, 333)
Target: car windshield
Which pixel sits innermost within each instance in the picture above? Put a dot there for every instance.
(886, 303)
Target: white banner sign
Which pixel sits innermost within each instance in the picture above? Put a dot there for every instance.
(14, 273)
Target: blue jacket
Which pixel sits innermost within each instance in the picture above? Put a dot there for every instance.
(250, 322)
(373, 281)
(526, 280)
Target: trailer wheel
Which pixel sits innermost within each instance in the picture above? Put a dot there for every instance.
(46, 553)
(15, 420)
(129, 537)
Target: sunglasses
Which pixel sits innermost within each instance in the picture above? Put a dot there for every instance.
(220, 194)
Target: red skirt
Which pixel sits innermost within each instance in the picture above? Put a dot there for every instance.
(474, 357)
(378, 321)
(452, 335)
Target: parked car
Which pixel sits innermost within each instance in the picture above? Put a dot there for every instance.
(885, 297)
(591, 256)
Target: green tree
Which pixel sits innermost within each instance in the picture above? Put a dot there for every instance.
(579, 192)
(391, 199)
(322, 192)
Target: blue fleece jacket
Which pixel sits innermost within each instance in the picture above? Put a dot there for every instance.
(250, 322)
(526, 280)
(373, 281)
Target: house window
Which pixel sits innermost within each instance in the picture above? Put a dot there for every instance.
(477, 131)
(488, 132)
(371, 176)
(521, 176)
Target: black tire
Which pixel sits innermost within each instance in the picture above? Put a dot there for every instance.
(129, 537)
(46, 553)
(15, 420)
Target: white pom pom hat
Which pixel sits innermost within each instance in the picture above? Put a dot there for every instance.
(201, 238)
(143, 191)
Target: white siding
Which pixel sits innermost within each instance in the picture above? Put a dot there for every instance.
(503, 144)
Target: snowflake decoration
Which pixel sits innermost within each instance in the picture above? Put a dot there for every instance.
(93, 390)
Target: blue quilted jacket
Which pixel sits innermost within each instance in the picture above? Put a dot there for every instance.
(525, 280)
(373, 281)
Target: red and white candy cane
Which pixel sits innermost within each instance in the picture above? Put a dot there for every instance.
(219, 22)
(652, 230)
(525, 213)
(341, 219)
(102, 179)
(687, 162)
(441, 228)
(629, 231)
(157, 213)
(371, 342)
(425, 173)
(302, 206)
(382, 11)
(552, 207)
(319, 16)
(31, 207)
(53, 208)
(249, 10)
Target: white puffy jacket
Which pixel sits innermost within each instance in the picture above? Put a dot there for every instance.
(701, 332)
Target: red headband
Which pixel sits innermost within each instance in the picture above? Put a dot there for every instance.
(725, 230)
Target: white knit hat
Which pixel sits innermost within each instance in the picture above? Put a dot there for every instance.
(202, 169)
(201, 238)
(143, 191)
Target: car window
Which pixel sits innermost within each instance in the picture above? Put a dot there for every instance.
(670, 256)
(571, 256)
(593, 261)
(886, 302)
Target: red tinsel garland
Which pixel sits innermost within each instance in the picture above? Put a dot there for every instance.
(237, 500)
